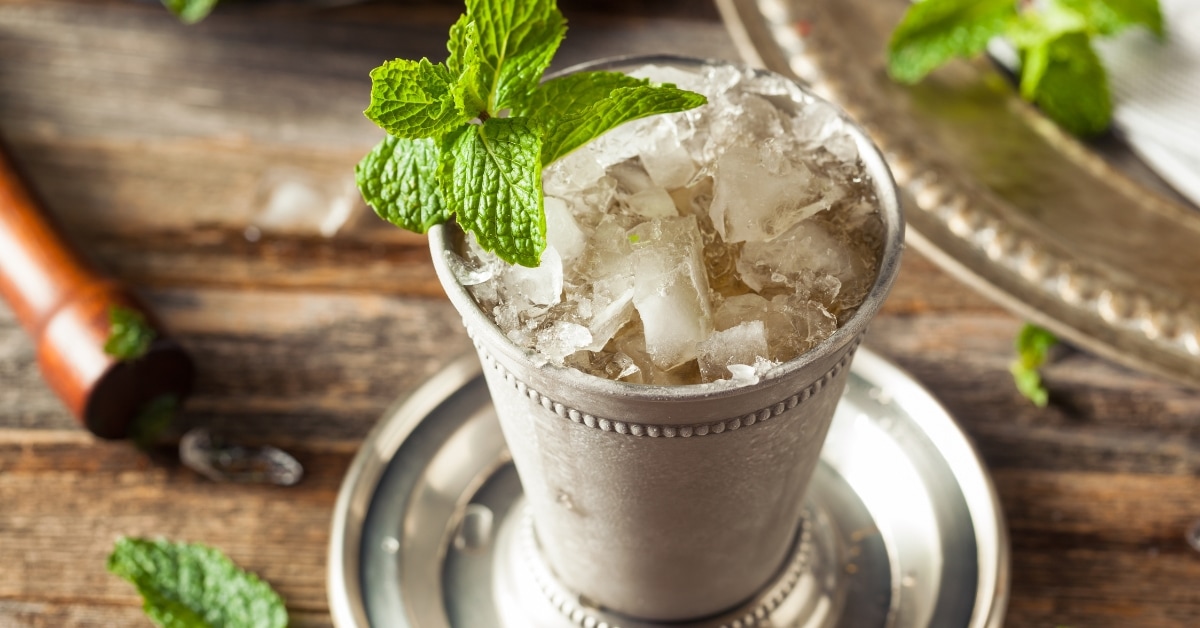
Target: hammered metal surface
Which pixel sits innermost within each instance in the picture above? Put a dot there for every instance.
(997, 194)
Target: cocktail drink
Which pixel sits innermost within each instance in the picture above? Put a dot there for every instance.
(665, 378)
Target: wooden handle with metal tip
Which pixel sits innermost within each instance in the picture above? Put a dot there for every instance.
(64, 303)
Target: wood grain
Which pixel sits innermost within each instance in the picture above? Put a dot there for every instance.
(163, 148)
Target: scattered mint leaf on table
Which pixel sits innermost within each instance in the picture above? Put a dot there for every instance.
(1073, 89)
(1033, 346)
(1060, 70)
(129, 335)
(188, 585)
(190, 11)
(935, 31)
(468, 138)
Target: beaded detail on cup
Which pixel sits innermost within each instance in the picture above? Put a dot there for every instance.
(666, 431)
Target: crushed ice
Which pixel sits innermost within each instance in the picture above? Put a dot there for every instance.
(710, 245)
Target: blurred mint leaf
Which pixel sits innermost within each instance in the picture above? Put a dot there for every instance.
(1033, 33)
(1108, 17)
(934, 31)
(190, 11)
(129, 334)
(517, 40)
(1060, 70)
(398, 179)
(414, 99)
(622, 105)
(1033, 346)
(186, 585)
(491, 178)
(1073, 90)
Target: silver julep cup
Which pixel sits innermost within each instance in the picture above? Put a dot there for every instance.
(669, 503)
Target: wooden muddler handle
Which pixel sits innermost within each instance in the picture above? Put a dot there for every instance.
(64, 303)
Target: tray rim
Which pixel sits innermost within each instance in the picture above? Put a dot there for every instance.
(1135, 338)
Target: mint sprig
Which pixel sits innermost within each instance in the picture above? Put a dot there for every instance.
(188, 585)
(468, 137)
(1033, 346)
(1060, 70)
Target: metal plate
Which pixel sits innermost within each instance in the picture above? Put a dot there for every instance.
(997, 194)
(900, 496)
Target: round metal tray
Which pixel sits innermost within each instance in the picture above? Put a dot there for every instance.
(997, 194)
(900, 502)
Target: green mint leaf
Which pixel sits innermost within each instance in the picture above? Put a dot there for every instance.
(187, 585)
(1073, 90)
(516, 42)
(491, 178)
(129, 334)
(934, 31)
(398, 179)
(566, 95)
(620, 106)
(1033, 33)
(1108, 17)
(1033, 346)
(465, 63)
(414, 99)
(153, 420)
(190, 11)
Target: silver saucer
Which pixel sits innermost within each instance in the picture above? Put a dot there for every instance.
(904, 522)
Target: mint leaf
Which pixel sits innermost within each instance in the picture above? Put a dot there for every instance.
(517, 40)
(491, 178)
(1073, 90)
(566, 95)
(1033, 346)
(934, 31)
(470, 91)
(414, 99)
(129, 334)
(190, 11)
(398, 179)
(186, 585)
(1033, 33)
(1108, 17)
(620, 106)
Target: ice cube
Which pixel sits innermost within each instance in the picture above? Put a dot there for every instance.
(739, 309)
(611, 309)
(562, 338)
(631, 177)
(575, 172)
(468, 273)
(742, 344)
(540, 286)
(606, 255)
(653, 203)
(809, 260)
(671, 289)
(669, 165)
(810, 324)
(756, 201)
(562, 232)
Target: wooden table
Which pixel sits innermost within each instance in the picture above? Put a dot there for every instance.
(162, 149)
